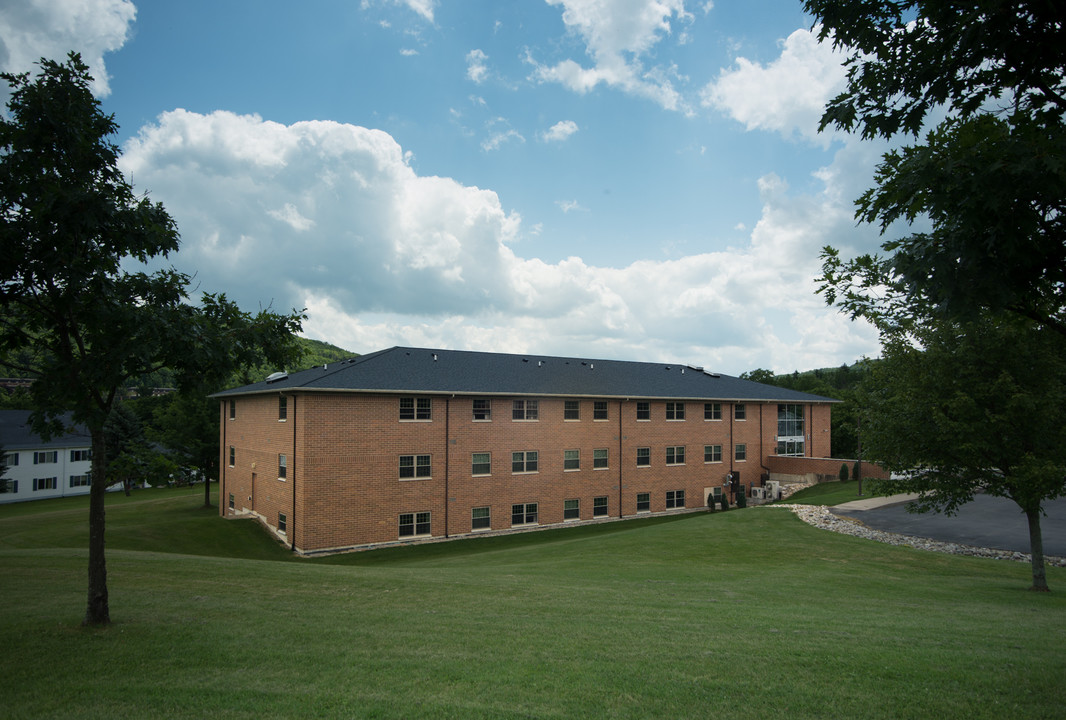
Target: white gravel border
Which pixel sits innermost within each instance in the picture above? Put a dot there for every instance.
(820, 516)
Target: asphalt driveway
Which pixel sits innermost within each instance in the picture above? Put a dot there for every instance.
(988, 522)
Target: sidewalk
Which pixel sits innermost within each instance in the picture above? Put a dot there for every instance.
(873, 503)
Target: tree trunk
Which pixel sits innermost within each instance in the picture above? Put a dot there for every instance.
(97, 611)
(1036, 551)
(207, 491)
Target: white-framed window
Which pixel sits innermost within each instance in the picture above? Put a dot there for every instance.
(599, 410)
(524, 514)
(415, 466)
(712, 453)
(571, 410)
(79, 481)
(790, 430)
(599, 506)
(9, 486)
(599, 459)
(283, 408)
(232, 409)
(45, 457)
(479, 519)
(283, 523)
(45, 484)
(740, 412)
(643, 411)
(481, 463)
(571, 459)
(231, 501)
(675, 411)
(524, 461)
(283, 467)
(740, 453)
(524, 410)
(415, 524)
(712, 411)
(81, 455)
(571, 509)
(675, 499)
(412, 408)
(643, 457)
(482, 410)
(11, 459)
(232, 456)
(643, 502)
(675, 455)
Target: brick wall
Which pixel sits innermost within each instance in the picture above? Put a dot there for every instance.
(343, 452)
(818, 469)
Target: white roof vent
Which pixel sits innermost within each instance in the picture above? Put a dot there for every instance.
(274, 377)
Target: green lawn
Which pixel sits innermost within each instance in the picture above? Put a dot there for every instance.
(747, 614)
(833, 493)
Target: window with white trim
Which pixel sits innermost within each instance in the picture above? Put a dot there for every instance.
(571, 459)
(45, 457)
(643, 411)
(524, 461)
(283, 408)
(482, 410)
(416, 466)
(45, 484)
(599, 410)
(479, 519)
(712, 453)
(675, 455)
(571, 509)
(599, 506)
(79, 481)
(283, 523)
(643, 457)
(524, 410)
(481, 464)
(416, 408)
(712, 411)
(644, 502)
(81, 455)
(283, 466)
(415, 524)
(675, 499)
(741, 452)
(571, 410)
(524, 514)
(599, 459)
(675, 411)
(740, 412)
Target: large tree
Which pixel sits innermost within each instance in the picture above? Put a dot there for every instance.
(70, 225)
(985, 81)
(980, 406)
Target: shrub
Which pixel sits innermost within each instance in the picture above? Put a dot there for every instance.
(843, 472)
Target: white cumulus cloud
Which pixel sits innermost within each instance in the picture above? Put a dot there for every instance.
(560, 131)
(32, 29)
(332, 217)
(787, 95)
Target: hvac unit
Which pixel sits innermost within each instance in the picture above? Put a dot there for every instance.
(758, 493)
(773, 489)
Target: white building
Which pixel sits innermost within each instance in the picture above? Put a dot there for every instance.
(37, 469)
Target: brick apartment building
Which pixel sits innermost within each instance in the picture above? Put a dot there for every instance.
(408, 443)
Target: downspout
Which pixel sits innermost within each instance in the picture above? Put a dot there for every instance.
(293, 520)
(447, 459)
(762, 455)
(223, 462)
(620, 458)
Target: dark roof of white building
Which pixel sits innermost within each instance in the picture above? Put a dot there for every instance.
(447, 372)
(16, 433)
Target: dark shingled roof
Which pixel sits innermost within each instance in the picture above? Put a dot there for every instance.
(423, 371)
(16, 433)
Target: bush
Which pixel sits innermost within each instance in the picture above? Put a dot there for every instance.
(742, 498)
(725, 501)
(843, 472)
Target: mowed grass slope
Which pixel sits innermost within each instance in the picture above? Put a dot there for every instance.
(746, 614)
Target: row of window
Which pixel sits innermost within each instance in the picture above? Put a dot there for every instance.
(524, 514)
(49, 483)
(48, 457)
(529, 410)
(528, 461)
(790, 417)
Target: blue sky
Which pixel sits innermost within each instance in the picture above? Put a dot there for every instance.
(625, 179)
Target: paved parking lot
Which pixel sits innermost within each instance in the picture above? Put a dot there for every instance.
(989, 522)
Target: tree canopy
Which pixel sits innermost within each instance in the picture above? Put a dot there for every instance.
(989, 176)
(71, 315)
